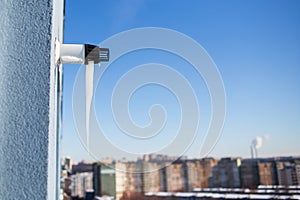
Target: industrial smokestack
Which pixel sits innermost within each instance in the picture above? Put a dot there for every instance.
(255, 150)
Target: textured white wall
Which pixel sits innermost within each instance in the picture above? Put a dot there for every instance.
(28, 106)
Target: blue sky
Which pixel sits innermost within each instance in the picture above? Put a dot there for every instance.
(255, 45)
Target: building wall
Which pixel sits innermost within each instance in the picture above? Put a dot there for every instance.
(28, 93)
(129, 184)
(97, 179)
(297, 163)
(267, 173)
(249, 173)
(151, 179)
(176, 175)
(226, 173)
(287, 174)
(121, 179)
(134, 180)
(193, 178)
(81, 183)
(108, 180)
(206, 171)
(163, 183)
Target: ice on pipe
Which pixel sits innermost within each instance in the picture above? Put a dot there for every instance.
(89, 74)
(71, 59)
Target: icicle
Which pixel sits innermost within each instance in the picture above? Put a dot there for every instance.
(89, 74)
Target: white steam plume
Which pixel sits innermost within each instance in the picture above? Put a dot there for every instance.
(257, 142)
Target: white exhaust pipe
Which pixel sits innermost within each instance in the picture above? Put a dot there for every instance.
(83, 54)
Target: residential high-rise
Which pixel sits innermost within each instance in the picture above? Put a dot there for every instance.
(205, 166)
(86, 177)
(121, 179)
(193, 174)
(297, 166)
(82, 167)
(267, 172)
(108, 180)
(150, 175)
(287, 174)
(176, 175)
(97, 179)
(249, 174)
(129, 184)
(163, 183)
(68, 164)
(81, 182)
(226, 173)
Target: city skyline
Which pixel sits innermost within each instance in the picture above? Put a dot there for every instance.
(254, 45)
(226, 176)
